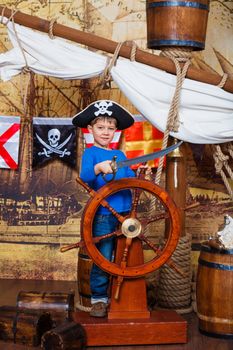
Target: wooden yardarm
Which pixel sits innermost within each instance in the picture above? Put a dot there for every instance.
(106, 45)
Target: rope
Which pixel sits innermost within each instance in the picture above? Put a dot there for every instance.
(221, 161)
(223, 80)
(106, 75)
(13, 12)
(177, 56)
(26, 69)
(51, 24)
(2, 14)
(82, 308)
(112, 62)
(230, 149)
(174, 290)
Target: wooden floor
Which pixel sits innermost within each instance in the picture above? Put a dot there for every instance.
(9, 289)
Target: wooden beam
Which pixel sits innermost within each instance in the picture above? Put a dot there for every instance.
(109, 46)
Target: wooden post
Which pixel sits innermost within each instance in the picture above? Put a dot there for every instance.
(176, 181)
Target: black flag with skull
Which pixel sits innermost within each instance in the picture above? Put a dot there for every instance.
(54, 138)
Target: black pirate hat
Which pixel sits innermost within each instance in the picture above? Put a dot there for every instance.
(104, 108)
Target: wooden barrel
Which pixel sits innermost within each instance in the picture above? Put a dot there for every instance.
(60, 305)
(179, 23)
(83, 277)
(214, 292)
(67, 336)
(26, 327)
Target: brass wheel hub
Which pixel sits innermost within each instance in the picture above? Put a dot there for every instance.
(131, 228)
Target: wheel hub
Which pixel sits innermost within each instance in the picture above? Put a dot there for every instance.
(131, 228)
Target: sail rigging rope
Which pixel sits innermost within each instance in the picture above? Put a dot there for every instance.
(223, 80)
(177, 56)
(221, 162)
(51, 24)
(105, 77)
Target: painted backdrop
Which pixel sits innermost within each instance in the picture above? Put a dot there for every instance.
(41, 209)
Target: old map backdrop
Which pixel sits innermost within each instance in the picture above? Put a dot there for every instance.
(40, 210)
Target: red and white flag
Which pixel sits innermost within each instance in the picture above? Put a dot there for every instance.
(89, 141)
(9, 142)
(142, 138)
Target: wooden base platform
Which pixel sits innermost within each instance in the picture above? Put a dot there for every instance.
(163, 327)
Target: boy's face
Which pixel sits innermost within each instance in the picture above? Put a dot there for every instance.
(103, 132)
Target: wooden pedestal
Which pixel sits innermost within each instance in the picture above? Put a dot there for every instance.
(163, 327)
(129, 322)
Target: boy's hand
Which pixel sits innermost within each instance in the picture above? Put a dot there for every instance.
(103, 167)
(144, 169)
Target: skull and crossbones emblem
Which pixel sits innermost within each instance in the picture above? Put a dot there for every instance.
(103, 108)
(54, 136)
(53, 145)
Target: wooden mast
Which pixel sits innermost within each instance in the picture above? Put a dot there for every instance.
(109, 46)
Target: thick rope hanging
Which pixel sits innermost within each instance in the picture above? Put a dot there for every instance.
(174, 290)
(221, 162)
(177, 56)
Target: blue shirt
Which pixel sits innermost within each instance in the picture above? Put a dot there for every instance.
(120, 201)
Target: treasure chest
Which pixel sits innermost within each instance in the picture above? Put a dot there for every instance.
(59, 304)
(24, 327)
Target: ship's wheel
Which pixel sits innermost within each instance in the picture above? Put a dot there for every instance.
(137, 225)
(153, 212)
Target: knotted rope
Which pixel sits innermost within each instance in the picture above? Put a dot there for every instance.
(174, 290)
(51, 24)
(105, 77)
(13, 12)
(221, 162)
(223, 80)
(177, 56)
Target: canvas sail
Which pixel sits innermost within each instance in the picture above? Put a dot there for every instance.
(206, 111)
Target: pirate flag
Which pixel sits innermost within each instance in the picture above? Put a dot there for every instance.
(54, 138)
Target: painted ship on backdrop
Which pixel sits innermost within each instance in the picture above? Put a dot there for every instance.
(204, 221)
(40, 220)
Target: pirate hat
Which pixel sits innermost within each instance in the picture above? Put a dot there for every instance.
(104, 108)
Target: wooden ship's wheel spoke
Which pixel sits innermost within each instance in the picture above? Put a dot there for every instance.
(156, 249)
(95, 240)
(104, 203)
(136, 196)
(123, 265)
(146, 221)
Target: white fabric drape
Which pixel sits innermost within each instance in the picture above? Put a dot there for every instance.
(206, 111)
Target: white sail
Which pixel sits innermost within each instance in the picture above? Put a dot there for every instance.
(206, 111)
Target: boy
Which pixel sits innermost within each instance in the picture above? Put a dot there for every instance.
(103, 118)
